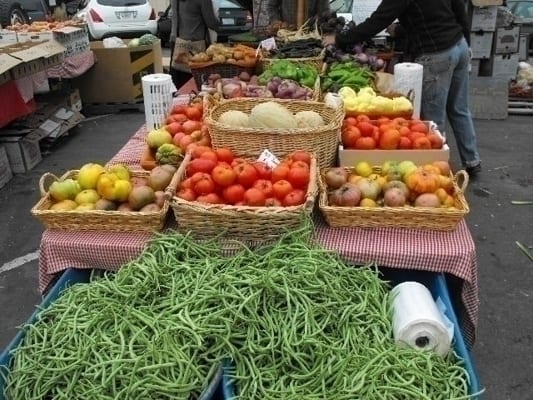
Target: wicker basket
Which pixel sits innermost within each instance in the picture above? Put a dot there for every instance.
(99, 219)
(254, 224)
(201, 71)
(249, 142)
(316, 62)
(439, 219)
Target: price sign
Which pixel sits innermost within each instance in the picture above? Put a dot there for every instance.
(268, 44)
(269, 159)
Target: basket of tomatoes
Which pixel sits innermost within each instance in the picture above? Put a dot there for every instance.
(252, 200)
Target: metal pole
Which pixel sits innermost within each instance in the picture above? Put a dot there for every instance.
(300, 13)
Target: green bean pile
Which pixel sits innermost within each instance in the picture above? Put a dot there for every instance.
(295, 320)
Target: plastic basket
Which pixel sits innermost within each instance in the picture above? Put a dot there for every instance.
(157, 93)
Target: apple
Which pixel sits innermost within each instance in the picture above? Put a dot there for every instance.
(88, 175)
(336, 177)
(87, 196)
(406, 167)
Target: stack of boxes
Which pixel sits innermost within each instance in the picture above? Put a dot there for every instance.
(494, 41)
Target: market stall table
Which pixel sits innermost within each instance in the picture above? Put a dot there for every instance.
(451, 252)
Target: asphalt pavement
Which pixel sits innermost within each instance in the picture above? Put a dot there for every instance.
(503, 351)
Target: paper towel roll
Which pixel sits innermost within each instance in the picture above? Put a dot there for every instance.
(408, 81)
(416, 320)
(157, 93)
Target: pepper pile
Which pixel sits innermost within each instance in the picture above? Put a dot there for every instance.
(297, 49)
(304, 74)
(347, 74)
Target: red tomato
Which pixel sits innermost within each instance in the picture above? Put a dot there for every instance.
(366, 128)
(236, 161)
(362, 117)
(265, 186)
(186, 194)
(280, 172)
(224, 154)
(200, 165)
(177, 137)
(173, 128)
(198, 150)
(263, 170)
(301, 155)
(209, 155)
(202, 183)
(190, 126)
(194, 113)
(210, 198)
(181, 118)
(281, 188)
(246, 174)
(405, 143)
(254, 197)
(299, 164)
(223, 175)
(350, 136)
(365, 143)
(422, 143)
(350, 121)
(179, 109)
(294, 198)
(233, 194)
(299, 177)
(185, 141)
(186, 183)
(273, 202)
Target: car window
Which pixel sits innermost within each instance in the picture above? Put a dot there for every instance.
(341, 6)
(121, 3)
(227, 4)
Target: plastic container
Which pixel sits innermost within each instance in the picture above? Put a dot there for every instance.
(436, 283)
(70, 277)
(157, 93)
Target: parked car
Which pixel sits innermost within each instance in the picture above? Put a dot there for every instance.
(121, 18)
(26, 11)
(523, 10)
(234, 18)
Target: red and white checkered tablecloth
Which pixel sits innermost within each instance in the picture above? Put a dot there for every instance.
(73, 66)
(451, 252)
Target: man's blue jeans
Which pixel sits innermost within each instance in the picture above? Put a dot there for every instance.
(445, 94)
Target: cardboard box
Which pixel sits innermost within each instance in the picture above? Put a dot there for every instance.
(474, 67)
(35, 36)
(523, 47)
(506, 40)
(23, 59)
(75, 40)
(484, 19)
(489, 97)
(8, 37)
(500, 66)
(5, 169)
(23, 152)
(481, 44)
(116, 76)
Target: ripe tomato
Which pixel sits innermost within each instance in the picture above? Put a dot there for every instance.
(419, 127)
(299, 164)
(209, 155)
(365, 143)
(265, 185)
(200, 165)
(177, 137)
(362, 117)
(436, 140)
(186, 183)
(246, 174)
(194, 113)
(366, 128)
(404, 131)
(298, 177)
(185, 141)
(210, 198)
(223, 175)
(405, 143)
(263, 170)
(236, 161)
(390, 139)
(202, 183)
(224, 154)
(350, 136)
(280, 172)
(415, 135)
(350, 121)
(421, 143)
(198, 150)
(281, 188)
(273, 202)
(254, 197)
(190, 126)
(294, 198)
(233, 194)
(173, 128)
(179, 109)
(383, 120)
(301, 155)
(186, 194)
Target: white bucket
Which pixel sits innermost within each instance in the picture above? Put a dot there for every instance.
(157, 92)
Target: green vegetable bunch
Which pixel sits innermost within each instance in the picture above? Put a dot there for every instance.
(350, 74)
(304, 74)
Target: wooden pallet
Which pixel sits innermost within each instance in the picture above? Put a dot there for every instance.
(112, 108)
(520, 106)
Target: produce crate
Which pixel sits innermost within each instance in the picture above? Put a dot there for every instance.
(99, 219)
(69, 278)
(249, 142)
(436, 283)
(201, 71)
(440, 219)
(255, 224)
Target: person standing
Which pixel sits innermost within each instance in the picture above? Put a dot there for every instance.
(285, 10)
(437, 33)
(191, 20)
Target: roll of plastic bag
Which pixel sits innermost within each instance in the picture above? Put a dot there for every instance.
(408, 79)
(417, 322)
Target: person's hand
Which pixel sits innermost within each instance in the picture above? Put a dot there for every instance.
(328, 39)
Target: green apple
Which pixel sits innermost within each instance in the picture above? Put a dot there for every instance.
(63, 190)
(88, 175)
(406, 167)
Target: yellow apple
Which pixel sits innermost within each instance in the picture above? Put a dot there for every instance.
(121, 170)
(88, 175)
(87, 196)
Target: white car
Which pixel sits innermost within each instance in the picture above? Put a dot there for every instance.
(121, 18)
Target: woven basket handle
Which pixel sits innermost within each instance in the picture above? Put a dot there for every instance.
(461, 177)
(42, 180)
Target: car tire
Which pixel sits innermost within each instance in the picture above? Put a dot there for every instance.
(11, 13)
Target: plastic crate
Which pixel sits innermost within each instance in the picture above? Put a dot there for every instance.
(70, 277)
(436, 283)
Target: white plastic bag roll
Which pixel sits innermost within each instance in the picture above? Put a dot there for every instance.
(408, 79)
(157, 90)
(416, 320)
